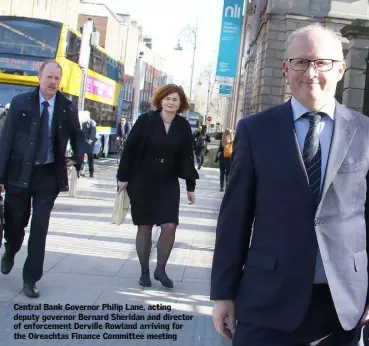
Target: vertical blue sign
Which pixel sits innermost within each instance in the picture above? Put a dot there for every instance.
(230, 36)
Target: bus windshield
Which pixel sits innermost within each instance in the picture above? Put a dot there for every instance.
(28, 38)
(8, 91)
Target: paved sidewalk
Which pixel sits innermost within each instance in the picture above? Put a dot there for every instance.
(90, 261)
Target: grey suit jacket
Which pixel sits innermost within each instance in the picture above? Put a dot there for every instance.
(342, 218)
(269, 271)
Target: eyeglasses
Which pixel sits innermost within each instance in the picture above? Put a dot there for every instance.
(322, 65)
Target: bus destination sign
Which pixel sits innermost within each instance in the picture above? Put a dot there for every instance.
(21, 66)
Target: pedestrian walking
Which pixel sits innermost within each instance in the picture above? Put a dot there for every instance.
(290, 260)
(123, 129)
(201, 140)
(89, 130)
(158, 151)
(33, 167)
(223, 156)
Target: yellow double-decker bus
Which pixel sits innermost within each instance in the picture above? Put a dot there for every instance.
(26, 42)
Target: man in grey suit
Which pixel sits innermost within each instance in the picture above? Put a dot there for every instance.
(290, 260)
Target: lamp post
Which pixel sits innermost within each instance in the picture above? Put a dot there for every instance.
(206, 75)
(189, 35)
(137, 84)
(83, 62)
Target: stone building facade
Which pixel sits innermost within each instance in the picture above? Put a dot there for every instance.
(267, 25)
(64, 11)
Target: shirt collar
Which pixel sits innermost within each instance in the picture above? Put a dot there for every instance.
(51, 101)
(298, 109)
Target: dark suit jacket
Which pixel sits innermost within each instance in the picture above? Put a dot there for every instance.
(201, 150)
(269, 229)
(18, 142)
(89, 131)
(127, 129)
(135, 145)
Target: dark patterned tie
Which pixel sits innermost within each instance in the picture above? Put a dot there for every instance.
(43, 146)
(312, 154)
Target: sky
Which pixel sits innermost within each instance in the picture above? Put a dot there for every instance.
(164, 20)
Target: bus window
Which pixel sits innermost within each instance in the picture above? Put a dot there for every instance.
(97, 61)
(103, 114)
(73, 47)
(8, 91)
(112, 69)
(28, 38)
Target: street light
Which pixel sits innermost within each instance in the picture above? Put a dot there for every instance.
(206, 75)
(189, 35)
(178, 46)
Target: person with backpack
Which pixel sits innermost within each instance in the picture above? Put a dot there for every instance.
(224, 155)
(201, 140)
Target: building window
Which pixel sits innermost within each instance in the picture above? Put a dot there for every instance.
(120, 73)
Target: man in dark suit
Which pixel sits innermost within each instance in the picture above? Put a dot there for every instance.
(123, 128)
(33, 167)
(201, 147)
(89, 130)
(290, 259)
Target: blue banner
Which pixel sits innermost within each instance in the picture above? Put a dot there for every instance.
(230, 36)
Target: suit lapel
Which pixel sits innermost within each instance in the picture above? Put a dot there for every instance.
(35, 108)
(343, 133)
(288, 148)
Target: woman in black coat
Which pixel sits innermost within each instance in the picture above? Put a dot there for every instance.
(158, 151)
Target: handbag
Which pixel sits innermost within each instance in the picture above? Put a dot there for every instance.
(73, 182)
(365, 334)
(121, 207)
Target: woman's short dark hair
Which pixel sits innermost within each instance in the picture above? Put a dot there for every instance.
(167, 90)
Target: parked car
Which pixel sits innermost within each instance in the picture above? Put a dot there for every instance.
(216, 135)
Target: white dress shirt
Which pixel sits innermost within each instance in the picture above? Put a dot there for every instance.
(325, 130)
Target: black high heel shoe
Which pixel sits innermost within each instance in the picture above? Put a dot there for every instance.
(164, 279)
(145, 280)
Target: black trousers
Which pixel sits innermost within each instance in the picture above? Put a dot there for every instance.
(225, 170)
(42, 192)
(91, 163)
(321, 322)
(200, 160)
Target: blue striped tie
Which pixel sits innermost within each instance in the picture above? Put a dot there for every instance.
(43, 135)
(312, 154)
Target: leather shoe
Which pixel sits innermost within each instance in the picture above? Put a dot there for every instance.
(145, 280)
(7, 263)
(164, 279)
(30, 290)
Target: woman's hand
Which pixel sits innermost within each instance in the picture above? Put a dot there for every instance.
(191, 197)
(122, 185)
